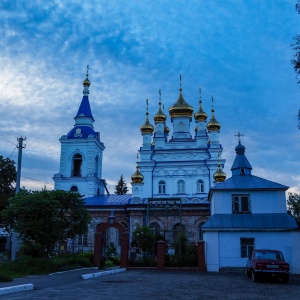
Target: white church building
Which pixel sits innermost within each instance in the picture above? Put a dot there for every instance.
(248, 212)
(179, 185)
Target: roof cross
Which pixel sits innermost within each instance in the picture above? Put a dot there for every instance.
(87, 71)
(239, 136)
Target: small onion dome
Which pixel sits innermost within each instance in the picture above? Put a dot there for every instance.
(240, 149)
(166, 130)
(160, 116)
(181, 108)
(200, 115)
(213, 124)
(219, 175)
(86, 82)
(147, 127)
(137, 176)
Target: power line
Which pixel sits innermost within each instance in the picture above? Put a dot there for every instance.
(13, 152)
(37, 180)
(7, 140)
(14, 133)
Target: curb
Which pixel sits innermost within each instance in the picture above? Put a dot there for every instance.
(16, 288)
(104, 273)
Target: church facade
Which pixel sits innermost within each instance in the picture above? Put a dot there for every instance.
(173, 176)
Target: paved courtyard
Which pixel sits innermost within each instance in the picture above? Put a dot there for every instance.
(154, 285)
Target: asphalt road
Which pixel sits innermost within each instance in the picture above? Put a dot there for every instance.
(154, 285)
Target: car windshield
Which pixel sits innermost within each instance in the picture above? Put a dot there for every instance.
(269, 255)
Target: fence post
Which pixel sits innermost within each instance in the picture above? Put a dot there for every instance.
(201, 257)
(161, 246)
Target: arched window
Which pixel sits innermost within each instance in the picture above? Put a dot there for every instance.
(77, 162)
(154, 226)
(74, 189)
(177, 230)
(180, 187)
(162, 187)
(200, 186)
(200, 233)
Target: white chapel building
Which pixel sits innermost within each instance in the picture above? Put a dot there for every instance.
(248, 212)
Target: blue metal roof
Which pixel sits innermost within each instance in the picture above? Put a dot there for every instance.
(106, 200)
(84, 132)
(248, 182)
(251, 221)
(84, 108)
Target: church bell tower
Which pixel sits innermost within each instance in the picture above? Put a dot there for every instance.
(81, 153)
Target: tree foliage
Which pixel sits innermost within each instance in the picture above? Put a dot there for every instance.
(294, 205)
(46, 217)
(296, 46)
(143, 240)
(121, 187)
(8, 175)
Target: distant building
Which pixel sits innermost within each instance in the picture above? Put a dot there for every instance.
(172, 179)
(248, 212)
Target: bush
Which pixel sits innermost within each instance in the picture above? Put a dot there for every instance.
(5, 277)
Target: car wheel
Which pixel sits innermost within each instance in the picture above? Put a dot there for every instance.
(254, 276)
(248, 273)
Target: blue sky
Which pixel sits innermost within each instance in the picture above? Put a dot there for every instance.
(236, 50)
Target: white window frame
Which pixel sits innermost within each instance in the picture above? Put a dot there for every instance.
(200, 186)
(180, 187)
(161, 187)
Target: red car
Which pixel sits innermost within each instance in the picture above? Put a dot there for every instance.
(267, 263)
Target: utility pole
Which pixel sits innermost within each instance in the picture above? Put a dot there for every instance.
(20, 146)
(13, 249)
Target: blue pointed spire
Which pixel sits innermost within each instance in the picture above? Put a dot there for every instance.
(84, 115)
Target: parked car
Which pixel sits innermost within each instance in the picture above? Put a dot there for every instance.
(267, 263)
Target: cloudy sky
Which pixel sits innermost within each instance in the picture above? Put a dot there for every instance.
(236, 50)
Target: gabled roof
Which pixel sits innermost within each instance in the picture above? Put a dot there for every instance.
(248, 182)
(106, 200)
(270, 221)
(85, 109)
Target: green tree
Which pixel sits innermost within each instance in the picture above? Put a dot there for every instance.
(293, 203)
(121, 187)
(143, 240)
(8, 175)
(46, 217)
(296, 46)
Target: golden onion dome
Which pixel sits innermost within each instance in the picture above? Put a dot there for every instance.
(147, 127)
(200, 115)
(166, 130)
(181, 108)
(160, 116)
(219, 175)
(213, 124)
(137, 176)
(86, 81)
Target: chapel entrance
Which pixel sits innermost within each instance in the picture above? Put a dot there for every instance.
(99, 242)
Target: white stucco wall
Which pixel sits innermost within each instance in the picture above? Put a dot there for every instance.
(223, 249)
(212, 251)
(261, 201)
